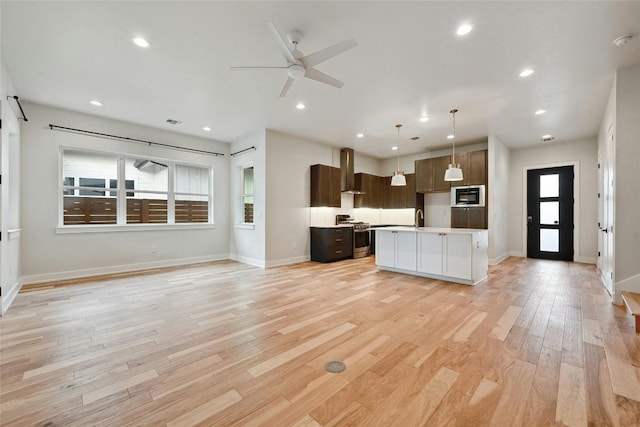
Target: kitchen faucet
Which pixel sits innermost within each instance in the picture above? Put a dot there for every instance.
(417, 223)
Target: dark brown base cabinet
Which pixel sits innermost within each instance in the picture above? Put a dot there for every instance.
(330, 244)
(469, 218)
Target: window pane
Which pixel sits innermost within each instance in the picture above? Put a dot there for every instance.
(549, 212)
(90, 210)
(248, 180)
(549, 185)
(146, 208)
(147, 174)
(70, 181)
(247, 206)
(192, 208)
(91, 182)
(192, 179)
(549, 240)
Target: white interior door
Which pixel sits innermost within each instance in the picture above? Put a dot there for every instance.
(608, 211)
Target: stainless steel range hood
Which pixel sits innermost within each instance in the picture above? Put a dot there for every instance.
(347, 179)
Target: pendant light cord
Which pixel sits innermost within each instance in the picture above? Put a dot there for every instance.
(398, 144)
(453, 151)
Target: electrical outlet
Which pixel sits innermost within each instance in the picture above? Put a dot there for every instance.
(294, 246)
(154, 249)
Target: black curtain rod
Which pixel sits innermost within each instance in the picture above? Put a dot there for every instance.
(126, 138)
(242, 151)
(24, 117)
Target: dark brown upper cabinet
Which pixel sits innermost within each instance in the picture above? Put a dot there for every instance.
(325, 186)
(371, 185)
(474, 168)
(430, 175)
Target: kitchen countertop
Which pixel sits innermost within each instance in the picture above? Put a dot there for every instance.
(333, 226)
(433, 229)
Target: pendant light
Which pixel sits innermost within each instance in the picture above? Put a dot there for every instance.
(398, 178)
(453, 173)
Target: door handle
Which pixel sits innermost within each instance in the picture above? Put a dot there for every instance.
(529, 218)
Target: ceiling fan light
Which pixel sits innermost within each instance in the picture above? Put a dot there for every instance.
(453, 173)
(398, 179)
(296, 71)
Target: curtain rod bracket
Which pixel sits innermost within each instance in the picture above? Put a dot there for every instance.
(15, 98)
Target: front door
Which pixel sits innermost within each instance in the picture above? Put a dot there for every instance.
(550, 213)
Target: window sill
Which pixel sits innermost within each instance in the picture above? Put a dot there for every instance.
(74, 229)
(245, 226)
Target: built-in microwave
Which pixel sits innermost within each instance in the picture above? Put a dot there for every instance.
(469, 195)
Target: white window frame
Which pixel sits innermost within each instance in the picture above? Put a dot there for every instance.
(240, 223)
(122, 199)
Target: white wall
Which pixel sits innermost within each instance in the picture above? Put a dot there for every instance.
(627, 159)
(10, 225)
(582, 151)
(49, 255)
(498, 200)
(247, 244)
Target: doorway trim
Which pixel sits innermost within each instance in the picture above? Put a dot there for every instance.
(576, 207)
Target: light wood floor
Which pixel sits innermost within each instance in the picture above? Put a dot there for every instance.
(223, 343)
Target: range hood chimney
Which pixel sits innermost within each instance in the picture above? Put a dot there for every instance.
(347, 179)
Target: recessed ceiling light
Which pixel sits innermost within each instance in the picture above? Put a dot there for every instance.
(300, 106)
(360, 135)
(394, 148)
(96, 103)
(207, 128)
(139, 41)
(547, 138)
(538, 112)
(450, 136)
(526, 72)
(424, 118)
(463, 29)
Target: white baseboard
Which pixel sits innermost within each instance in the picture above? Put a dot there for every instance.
(10, 296)
(246, 260)
(288, 261)
(585, 259)
(77, 274)
(518, 254)
(498, 260)
(630, 284)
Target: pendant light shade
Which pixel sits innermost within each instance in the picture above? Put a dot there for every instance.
(398, 179)
(453, 172)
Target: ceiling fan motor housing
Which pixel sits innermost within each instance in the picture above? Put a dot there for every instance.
(296, 71)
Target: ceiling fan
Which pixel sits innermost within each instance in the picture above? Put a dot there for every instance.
(299, 65)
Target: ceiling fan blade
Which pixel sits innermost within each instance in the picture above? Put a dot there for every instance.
(259, 67)
(321, 77)
(286, 87)
(282, 44)
(328, 53)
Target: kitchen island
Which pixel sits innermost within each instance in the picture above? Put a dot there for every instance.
(453, 254)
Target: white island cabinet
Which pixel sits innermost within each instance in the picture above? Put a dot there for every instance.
(456, 255)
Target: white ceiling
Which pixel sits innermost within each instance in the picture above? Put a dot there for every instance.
(408, 62)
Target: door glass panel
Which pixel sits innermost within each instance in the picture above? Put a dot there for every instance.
(549, 240)
(549, 213)
(549, 185)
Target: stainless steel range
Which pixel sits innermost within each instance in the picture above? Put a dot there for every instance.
(361, 235)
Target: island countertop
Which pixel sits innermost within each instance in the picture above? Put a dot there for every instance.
(431, 229)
